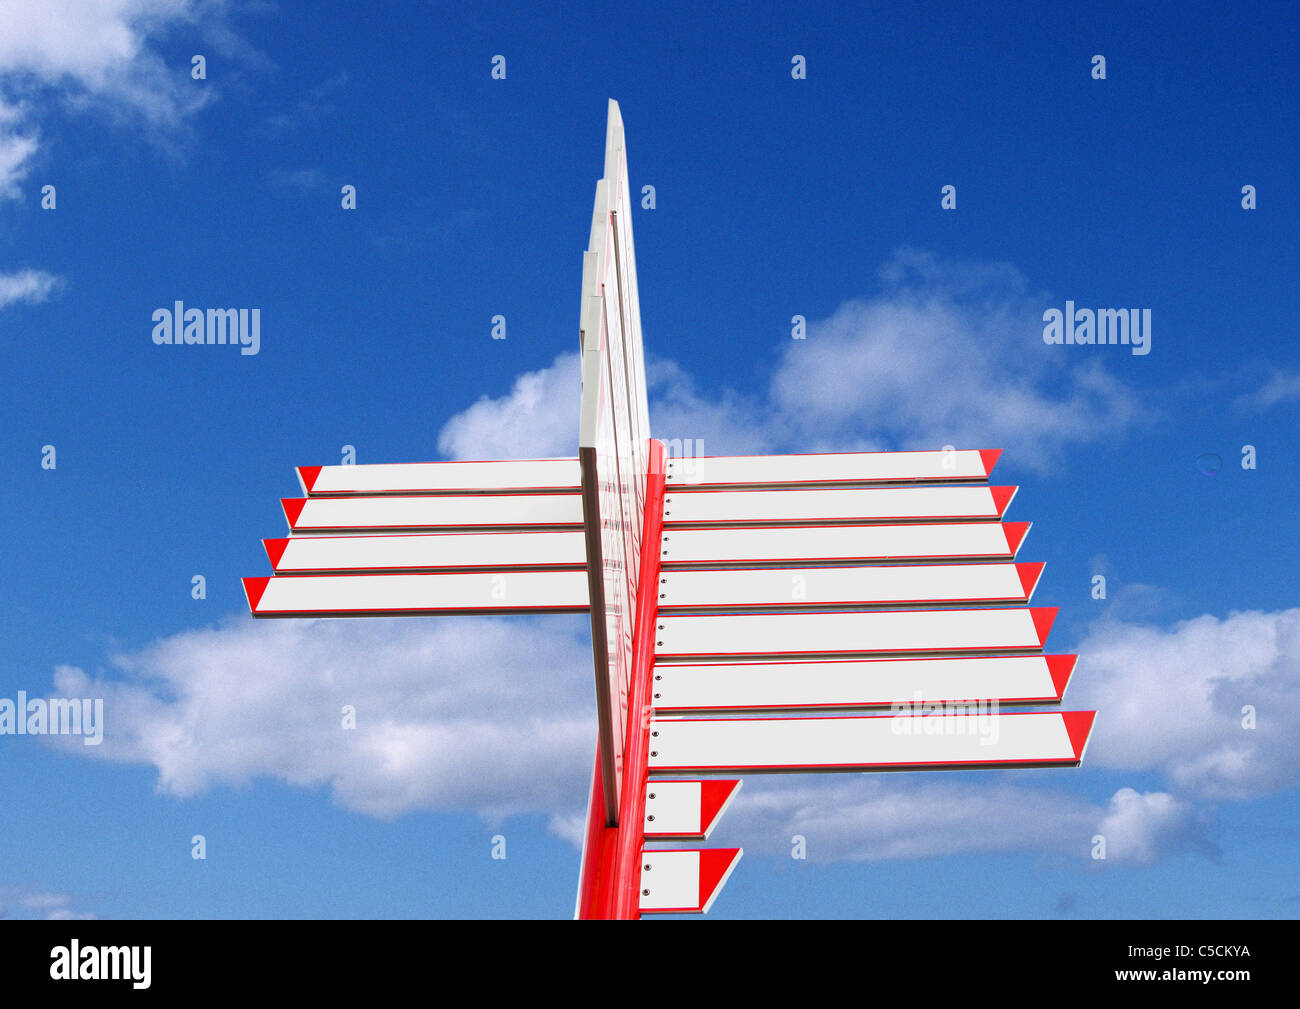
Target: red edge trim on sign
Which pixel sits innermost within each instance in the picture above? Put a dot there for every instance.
(1061, 668)
(1078, 724)
(307, 476)
(989, 456)
(275, 550)
(253, 589)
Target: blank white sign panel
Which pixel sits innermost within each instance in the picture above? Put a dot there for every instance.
(442, 477)
(795, 588)
(686, 809)
(684, 881)
(845, 683)
(831, 468)
(346, 595)
(883, 632)
(429, 552)
(867, 742)
(792, 544)
(433, 512)
(878, 504)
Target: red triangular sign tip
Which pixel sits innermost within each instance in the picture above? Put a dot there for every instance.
(293, 507)
(307, 476)
(715, 866)
(1043, 616)
(1078, 724)
(253, 588)
(714, 794)
(275, 550)
(1015, 533)
(989, 457)
(1029, 572)
(1002, 497)
(1061, 668)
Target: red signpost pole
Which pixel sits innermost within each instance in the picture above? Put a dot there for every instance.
(611, 871)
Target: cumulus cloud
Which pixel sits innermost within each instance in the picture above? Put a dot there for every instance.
(29, 286)
(1173, 699)
(947, 353)
(537, 418)
(486, 715)
(944, 354)
(868, 818)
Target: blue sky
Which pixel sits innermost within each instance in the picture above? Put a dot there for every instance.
(774, 197)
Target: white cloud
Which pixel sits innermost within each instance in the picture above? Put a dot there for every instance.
(946, 354)
(495, 716)
(39, 904)
(868, 819)
(1171, 700)
(1279, 387)
(26, 285)
(538, 418)
(103, 55)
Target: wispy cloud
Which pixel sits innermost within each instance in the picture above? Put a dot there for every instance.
(29, 286)
(1278, 387)
(40, 904)
(103, 56)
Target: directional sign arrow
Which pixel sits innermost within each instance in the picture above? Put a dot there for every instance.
(686, 809)
(433, 511)
(441, 477)
(870, 633)
(847, 683)
(870, 742)
(811, 507)
(801, 588)
(842, 544)
(404, 595)
(684, 881)
(508, 551)
(841, 468)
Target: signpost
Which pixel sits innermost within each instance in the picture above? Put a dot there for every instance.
(744, 609)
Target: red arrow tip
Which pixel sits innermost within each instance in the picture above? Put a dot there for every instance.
(307, 477)
(715, 866)
(989, 457)
(1079, 726)
(1002, 497)
(275, 550)
(1029, 572)
(714, 795)
(1061, 668)
(293, 507)
(1043, 616)
(253, 589)
(1015, 533)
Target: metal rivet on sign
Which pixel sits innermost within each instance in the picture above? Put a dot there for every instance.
(645, 893)
(646, 867)
(650, 817)
(651, 795)
(654, 753)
